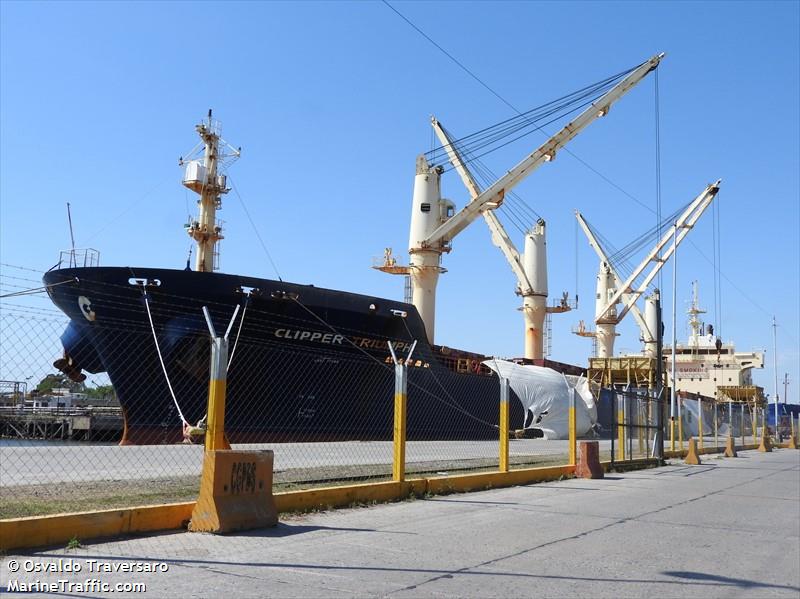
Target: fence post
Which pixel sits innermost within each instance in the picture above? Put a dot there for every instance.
(754, 424)
(732, 432)
(621, 427)
(640, 431)
(217, 386)
(700, 421)
(400, 403)
(672, 432)
(504, 418)
(716, 425)
(680, 422)
(742, 426)
(573, 436)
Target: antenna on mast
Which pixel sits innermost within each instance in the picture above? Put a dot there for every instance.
(72, 259)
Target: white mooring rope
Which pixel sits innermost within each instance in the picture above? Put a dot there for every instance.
(161, 359)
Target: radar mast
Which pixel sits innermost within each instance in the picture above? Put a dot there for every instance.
(203, 175)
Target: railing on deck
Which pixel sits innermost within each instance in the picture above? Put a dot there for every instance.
(78, 258)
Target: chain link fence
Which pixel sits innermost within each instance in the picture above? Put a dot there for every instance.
(106, 408)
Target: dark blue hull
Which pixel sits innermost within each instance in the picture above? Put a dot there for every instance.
(307, 364)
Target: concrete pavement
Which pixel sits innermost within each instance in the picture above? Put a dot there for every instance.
(727, 528)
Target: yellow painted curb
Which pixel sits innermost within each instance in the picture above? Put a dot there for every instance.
(329, 497)
(494, 480)
(40, 531)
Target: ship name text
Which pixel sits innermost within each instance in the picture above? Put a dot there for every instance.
(314, 336)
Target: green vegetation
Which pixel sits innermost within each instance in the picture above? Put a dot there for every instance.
(61, 381)
(37, 500)
(73, 543)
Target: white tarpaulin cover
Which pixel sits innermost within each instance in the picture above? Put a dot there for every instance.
(545, 393)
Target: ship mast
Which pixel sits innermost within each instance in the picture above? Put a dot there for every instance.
(203, 176)
(694, 322)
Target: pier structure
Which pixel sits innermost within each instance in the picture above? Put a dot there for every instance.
(64, 424)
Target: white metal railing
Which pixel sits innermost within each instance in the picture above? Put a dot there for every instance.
(75, 258)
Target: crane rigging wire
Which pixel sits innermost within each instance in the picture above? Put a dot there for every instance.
(658, 169)
(489, 135)
(493, 144)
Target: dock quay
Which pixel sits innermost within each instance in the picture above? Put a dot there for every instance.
(65, 424)
(711, 543)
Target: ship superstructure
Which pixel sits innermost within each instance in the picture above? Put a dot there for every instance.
(708, 366)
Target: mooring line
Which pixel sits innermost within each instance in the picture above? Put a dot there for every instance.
(160, 358)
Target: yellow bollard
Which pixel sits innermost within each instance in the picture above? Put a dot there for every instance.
(730, 448)
(235, 492)
(692, 456)
(504, 417)
(399, 440)
(792, 437)
(765, 446)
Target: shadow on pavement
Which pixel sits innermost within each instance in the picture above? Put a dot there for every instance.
(728, 581)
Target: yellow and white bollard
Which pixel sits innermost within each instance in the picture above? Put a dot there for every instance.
(217, 389)
(400, 405)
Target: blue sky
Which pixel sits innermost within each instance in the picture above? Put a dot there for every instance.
(330, 103)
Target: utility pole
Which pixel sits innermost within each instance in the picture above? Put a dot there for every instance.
(674, 341)
(775, 368)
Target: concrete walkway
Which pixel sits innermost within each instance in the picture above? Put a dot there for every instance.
(727, 528)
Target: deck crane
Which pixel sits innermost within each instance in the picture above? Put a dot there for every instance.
(530, 268)
(611, 291)
(608, 278)
(434, 222)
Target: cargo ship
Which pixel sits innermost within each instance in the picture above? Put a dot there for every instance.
(306, 363)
